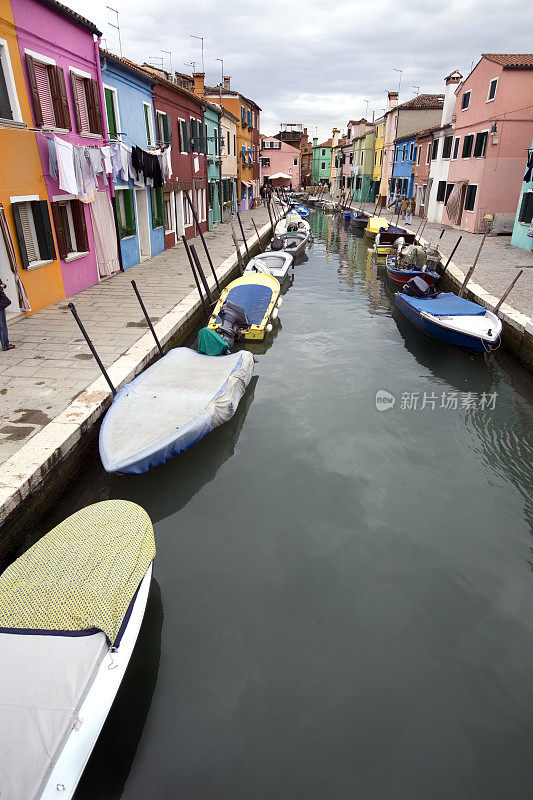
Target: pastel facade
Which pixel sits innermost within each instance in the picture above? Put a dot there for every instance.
(278, 156)
(442, 151)
(212, 115)
(228, 127)
(377, 162)
(494, 119)
(363, 162)
(22, 185)
(402, 171)
(423, 148)
(61, 64)
(523, 227)
(130, 117)
(321, 161)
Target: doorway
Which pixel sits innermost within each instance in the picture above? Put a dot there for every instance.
(180, 223)
(462, 196)
(143, 223)
(7, 277)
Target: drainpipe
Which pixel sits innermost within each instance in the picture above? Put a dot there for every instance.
(106, 142)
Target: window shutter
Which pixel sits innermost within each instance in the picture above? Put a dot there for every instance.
(37, 110)
(6, 111)
(441, 189)
(60, 231)
(20, 234)
(94, 110)
(110, 110)
(119, 220)
(187, 137)
(76, 101)
(525, 207)
(43, 229)
(80, 228)
(167, 129)
(58, 91)
(153, 205)
(129, 211)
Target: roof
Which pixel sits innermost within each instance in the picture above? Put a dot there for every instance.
(511, 60)
(422, 102)
(329, 143)
(215, 90)
(127, 64)
(72, 15)
(156, 78)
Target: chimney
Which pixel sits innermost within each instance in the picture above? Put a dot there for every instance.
(452, 81)
(227, 79)
(393, 100)
(315, 141)
(198, 83)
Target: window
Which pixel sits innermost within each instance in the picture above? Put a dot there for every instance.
(380, 157)
(428, 153)
(111, 109)
(465, 101)
(349, 134)
(86, 103)
(158, 211)
(265, 162)
(358, 183)
(424, 190)
(435, 149)
(169, 216)
(164, 128)
(467, 145)
(323, 165)
(243, 191)
(456, 146)
(195, 135)
(449, 188)
(125, 212)
(323, 151)
(411, 151)
(249, 118)
(243, 115)
(441, 191)
(295, 162)
(187, 213)
(492, 89)
(447, 146)
(361, 154)
(9, 105)
(480, 147)
(351, 157)
(215, 140)
(404, 149)
(234, 144)
(375, 157)
(34, 233)
(418, 154)
(525, 214)
(470, 197)
(148, 124)
(185, 136)
(48, 93)
(69, 224)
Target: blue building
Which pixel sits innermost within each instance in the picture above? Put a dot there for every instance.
(523, 227)
(131, 121)
(402, 171)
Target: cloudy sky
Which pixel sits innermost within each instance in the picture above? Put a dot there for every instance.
(317, 62)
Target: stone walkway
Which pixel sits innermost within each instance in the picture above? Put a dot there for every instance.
(497, 266)
(51, 363)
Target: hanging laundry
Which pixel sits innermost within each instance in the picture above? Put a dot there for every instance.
(65, 165)
(125, 155)
(52, 158)
(116, 163)
(106, 155)
(167, 164)
(96, 160)
(85, 177)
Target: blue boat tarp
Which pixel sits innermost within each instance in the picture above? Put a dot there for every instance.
(253, 298)
(446, 304)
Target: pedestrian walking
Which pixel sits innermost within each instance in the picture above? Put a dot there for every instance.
(409, 211)
(4, 303)
(403, 205)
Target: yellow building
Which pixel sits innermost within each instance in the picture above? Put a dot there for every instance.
(25, 211)
(379, 144)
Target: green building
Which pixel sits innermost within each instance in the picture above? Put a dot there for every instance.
(212, 120)
(321, 161)
(363, 187)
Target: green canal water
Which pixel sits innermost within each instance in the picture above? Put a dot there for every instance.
(342, 603)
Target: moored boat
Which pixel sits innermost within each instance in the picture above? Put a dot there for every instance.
(292, 243)
(272, 262)
(387, 236)
(449, 318)
(375, 224)
(71, 608)
(258, 296)
(359, 220)
(291, 224)
(401, 273)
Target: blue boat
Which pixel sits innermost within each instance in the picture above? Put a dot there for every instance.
(452, 319)
(302, 211)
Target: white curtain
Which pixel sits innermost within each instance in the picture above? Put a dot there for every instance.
(105, 237)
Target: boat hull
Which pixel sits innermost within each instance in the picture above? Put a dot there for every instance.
(401, 276)
(359, 223)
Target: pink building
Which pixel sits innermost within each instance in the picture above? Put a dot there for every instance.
(493, 124)
(279, 157)
(60, 57)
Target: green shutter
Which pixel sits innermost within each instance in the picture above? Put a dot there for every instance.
(158, 212)
(147, 124)
(117, 209)
(110, 109)
(129, 210)
(167, 129)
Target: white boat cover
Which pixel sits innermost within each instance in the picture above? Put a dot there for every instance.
(171, 406)
(294, 221)
(61, 604)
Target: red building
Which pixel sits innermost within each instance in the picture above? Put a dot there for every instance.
(179, 112)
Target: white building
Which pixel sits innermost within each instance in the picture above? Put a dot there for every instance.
(443, 151)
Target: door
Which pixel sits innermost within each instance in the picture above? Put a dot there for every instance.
(462, 196)
(7, 277)
(180, 223)
(143, 223)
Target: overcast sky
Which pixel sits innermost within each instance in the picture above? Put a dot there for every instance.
(317, 62)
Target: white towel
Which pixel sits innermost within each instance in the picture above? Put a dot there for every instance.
(65, 164)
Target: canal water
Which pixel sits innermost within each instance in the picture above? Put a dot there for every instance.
(343, 594)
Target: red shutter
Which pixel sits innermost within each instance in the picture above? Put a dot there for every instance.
(94, 111)
(59, 98)
(37, 111)
(80, 229)
(76, 101)
(60, 232)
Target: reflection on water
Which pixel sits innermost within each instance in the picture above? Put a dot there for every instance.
(347, 592)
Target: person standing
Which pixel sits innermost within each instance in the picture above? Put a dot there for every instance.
(403, 206)
(409, 211)
(4, 303)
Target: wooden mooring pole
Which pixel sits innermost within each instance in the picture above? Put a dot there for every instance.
(507, 292)
(472, 268)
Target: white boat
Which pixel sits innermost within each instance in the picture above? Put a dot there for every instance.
(292, 223)
(70, 612)
(170, 406)
(276, 263)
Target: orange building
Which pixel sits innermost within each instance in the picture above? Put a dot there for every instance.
(23, 197)
(247, 139)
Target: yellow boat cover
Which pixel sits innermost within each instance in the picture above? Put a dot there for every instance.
(82, 576)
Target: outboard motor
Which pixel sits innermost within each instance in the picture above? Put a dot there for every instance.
(418, 287)
(276, 243)
(233, 322)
